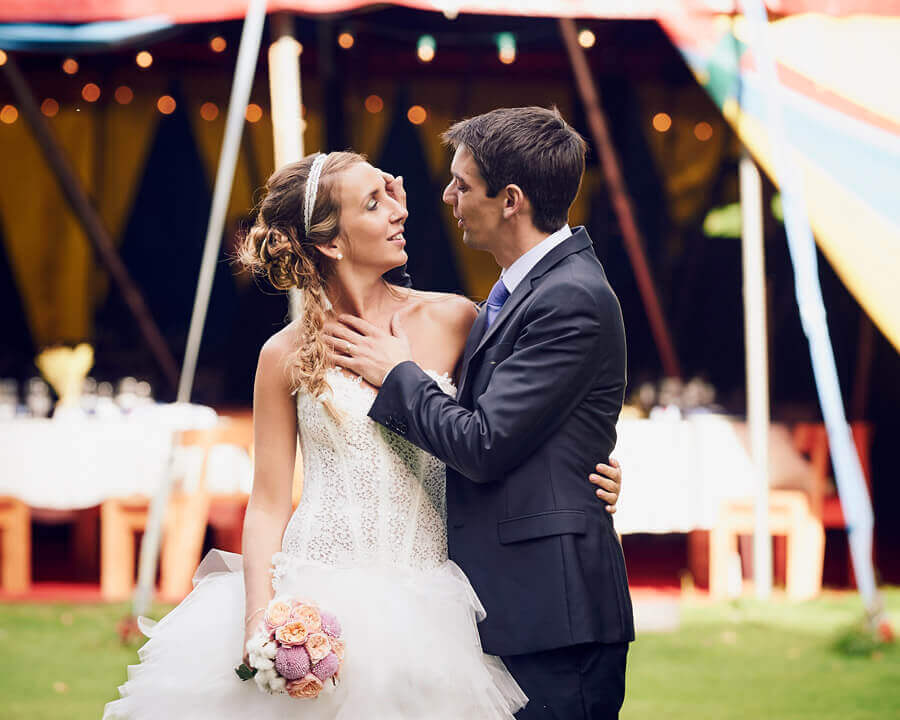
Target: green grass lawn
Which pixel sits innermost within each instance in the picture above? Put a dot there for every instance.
(743, 660)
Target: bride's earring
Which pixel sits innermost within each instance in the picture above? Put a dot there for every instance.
(340, 256)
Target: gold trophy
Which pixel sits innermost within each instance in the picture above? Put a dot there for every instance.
(65, 369)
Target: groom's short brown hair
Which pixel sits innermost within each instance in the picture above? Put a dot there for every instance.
(531, 147)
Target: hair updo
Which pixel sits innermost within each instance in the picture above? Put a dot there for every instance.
(278, 248)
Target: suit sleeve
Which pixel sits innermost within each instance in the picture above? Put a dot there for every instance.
(568, 338)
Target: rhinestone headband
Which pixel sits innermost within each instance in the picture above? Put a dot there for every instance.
(312, 187)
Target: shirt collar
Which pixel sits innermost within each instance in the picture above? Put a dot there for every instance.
(523, 265)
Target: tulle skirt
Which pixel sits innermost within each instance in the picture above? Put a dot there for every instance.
(412, 649)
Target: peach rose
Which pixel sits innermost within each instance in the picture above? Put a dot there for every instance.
(277, 614)
(306, 687)
(309, 616)
(337, 647)
(293, 633)
(318, 646)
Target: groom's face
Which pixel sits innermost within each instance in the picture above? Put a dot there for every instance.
(478, 215)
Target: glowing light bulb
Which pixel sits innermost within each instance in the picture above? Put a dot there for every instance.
(703, 131)
(218, 44)
(416, 114)
(662, 122)
(50, 107)
(123, 95)
(209, 111)
(70, 66)
(425, 48)
(506, 48)
(144, 59)
(374, 104)
(9, 114)
(166, 104)
(91, 92)
(254, 113)
(586, 38)
(346, 40)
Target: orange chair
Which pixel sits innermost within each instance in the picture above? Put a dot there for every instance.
(794, 513)
(191, 512)
(15, 539)
(811, 439)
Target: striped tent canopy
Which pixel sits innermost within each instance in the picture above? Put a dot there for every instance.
(835, 59)
(842, 121)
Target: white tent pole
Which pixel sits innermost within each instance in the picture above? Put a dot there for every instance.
(245, 70)
(756, 352)
(285, 93)
(251, 37)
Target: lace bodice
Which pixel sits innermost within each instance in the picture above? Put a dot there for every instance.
(369, 496)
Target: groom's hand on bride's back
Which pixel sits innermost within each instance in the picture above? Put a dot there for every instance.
(608, 479)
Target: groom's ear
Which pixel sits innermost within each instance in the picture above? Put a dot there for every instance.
(513, 201)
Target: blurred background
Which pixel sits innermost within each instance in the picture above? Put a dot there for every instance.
(112, 121)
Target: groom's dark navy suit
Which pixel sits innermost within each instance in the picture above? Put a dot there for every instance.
(540, 392)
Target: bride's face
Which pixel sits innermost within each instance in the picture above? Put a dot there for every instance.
(371, 221)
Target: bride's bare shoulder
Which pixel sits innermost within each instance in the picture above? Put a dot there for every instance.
(447, 310)
(275, 352)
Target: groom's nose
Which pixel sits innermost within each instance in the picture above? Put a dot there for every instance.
(449, 195)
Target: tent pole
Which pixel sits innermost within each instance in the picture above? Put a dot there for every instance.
(245, 70)
(621, 201)
(91, 223)
(755, 344)
(285, 92)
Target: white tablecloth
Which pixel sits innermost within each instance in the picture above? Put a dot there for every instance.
(676, 473)
(74, 463)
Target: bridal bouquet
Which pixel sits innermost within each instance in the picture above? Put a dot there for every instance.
(296, 651)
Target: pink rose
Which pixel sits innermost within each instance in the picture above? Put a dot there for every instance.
(277, 614)
(306, 687)
(337, 647)
(318, 646)
(293, 633)
(309, 616)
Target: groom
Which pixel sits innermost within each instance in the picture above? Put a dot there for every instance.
(541, 386)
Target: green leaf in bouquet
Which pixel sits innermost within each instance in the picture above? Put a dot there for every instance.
(244, 672)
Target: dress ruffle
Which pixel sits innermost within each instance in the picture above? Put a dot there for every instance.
(412, 649)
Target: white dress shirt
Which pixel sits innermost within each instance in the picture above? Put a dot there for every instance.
(516, 272)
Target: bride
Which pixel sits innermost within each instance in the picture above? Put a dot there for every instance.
(368, 540)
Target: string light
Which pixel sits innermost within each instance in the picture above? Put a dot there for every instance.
(254, 113)
(50, 107)
(209, 111)
(662, 122)
(586, 38)
(506, 48)
(166, 104)
(416, 114)
(374, 104)
(2, 58)
(346, 40)
(123, 95)
(70, 66)
(9, 114)
(425, 48)
(218, 44)
(90, 92)
(144, 59)
(703, 131)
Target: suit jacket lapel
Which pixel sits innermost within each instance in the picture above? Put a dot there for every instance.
(471, 342)
(577, 242)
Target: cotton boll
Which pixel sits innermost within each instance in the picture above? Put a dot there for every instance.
(263, 663)
(269, 650)
(278, 684)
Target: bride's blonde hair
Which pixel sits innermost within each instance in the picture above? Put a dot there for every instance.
(278, 248)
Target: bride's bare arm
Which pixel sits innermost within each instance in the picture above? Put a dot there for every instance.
(275, 444)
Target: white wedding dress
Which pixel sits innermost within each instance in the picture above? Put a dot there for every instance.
(368, 542)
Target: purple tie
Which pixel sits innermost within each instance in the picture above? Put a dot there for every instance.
(499, 295)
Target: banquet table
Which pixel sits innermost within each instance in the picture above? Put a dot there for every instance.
(677, 473)
(79, 462)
